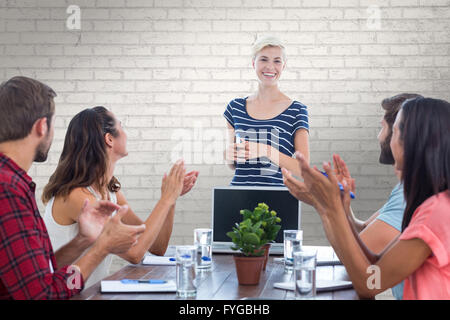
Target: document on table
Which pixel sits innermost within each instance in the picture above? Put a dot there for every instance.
(321, 285)
(159, 261)
(325, 256)
(119, 286)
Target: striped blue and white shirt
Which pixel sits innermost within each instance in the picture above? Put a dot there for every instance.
(278, 132)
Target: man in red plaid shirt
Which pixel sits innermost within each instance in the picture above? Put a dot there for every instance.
(28, 267)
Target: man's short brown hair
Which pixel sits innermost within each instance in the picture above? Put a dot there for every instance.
(22, 102)
(393, 104)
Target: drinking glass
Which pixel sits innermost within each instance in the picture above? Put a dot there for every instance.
(203, 245)
(292, 242)
(305, 274)
(186, 277)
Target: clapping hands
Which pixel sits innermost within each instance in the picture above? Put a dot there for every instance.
(318, 190)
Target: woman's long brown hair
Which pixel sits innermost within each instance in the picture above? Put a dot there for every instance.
(84, 159)
(425, 133)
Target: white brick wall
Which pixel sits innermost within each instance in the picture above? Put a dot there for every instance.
(164, 65)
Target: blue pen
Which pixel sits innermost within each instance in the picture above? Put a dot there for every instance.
(137, 281)
(352, 195)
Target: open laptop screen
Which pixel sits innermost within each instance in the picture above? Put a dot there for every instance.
(229, 201)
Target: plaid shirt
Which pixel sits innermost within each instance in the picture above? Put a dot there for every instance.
(27, 262)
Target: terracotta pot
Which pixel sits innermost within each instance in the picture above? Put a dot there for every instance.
(248, 269)
(266, 254)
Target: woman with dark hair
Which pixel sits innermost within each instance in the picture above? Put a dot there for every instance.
(421, 254)
(94, 142)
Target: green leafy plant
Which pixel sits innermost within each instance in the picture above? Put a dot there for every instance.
(257, 228)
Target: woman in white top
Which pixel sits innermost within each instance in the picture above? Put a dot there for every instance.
(94, 142)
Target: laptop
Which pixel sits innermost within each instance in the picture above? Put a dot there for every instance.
(229, 201)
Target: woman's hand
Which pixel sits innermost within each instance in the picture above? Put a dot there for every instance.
(93, 218)
(172, 184)
(117, 237)
(255, 150)
(326, 196)
(189, 182)
(242, 152)
(297, 188)
(344, 177)
(231, 152)
(245, 151)
(345, 198)
(342, 172)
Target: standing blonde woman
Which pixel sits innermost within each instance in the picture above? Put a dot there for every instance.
(267, 127)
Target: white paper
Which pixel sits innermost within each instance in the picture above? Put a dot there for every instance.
(321, 285)
(158, 260)
(118, 286)
(325, 257)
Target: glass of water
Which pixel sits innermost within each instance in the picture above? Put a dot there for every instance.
(239, 150)
(203, 245)
(292, 243)
(305, 274)
(186, 277)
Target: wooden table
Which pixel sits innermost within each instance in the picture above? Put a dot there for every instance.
(220, 283)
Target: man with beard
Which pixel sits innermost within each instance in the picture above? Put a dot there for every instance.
(28, 267)
(386, 224)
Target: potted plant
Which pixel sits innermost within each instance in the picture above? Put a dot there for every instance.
(270, 225)
(257, 229)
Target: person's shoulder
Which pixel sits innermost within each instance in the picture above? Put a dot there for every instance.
(392, 211)
(437, 203)
(16, 200)
(74, 201)
(121, 200)
(5, 174)
(79, 194)
(6, 186)
(11, 197)
(297, 104)
(239, 101)
(396, 201)
(10, 181)
(8, 189)
(397, 193)
(398, 188)
(434, 211)
(298, 109)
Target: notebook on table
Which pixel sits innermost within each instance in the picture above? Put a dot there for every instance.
(110, 286)
(325, 256)
(150, 259)
(321, 285)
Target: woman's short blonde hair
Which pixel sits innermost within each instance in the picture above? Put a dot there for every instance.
(267, 41)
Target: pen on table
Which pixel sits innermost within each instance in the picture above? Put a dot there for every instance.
(149, 281)
(352, 195)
